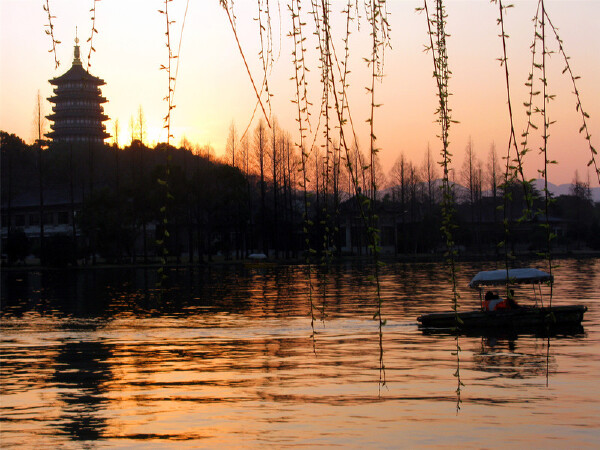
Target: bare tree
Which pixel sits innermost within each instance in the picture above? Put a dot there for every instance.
(185, 144)
(356, 169)
(290, 165)
(39, 120)
(132, 128)
(378, 172)
(260, 144)
(275, 158)
(140, 124)
(494, 170)
(39, 124)
(472, 177)
(468, 175)
(398, 180)
(116, 130)
(429, 174)
(208, 152)
(116, 149)
(244, 157)
(232, 145)
(414, 190)
(581, 189)
(494, 176)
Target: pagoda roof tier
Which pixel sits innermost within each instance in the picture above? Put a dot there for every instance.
(77, 113)
(58, 134)
(79, 127)
(57, 117)
(77, 73)
(77, 132)
(77, 110)
(78, 96)
(87, 108)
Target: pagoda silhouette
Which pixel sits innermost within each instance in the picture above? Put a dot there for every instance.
(78, 114)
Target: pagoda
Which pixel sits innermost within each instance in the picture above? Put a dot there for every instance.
(77, 111)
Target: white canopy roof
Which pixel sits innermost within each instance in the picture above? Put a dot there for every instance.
(498, 277)
(257, 256)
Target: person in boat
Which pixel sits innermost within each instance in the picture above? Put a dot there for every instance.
(510, 301)
(493, 302)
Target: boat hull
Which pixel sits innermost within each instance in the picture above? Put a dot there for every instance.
(516, 319)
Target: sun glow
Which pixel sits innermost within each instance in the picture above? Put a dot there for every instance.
(213, 88)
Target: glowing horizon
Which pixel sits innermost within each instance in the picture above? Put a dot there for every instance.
(213, 88)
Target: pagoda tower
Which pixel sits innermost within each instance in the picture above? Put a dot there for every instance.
(77, 111)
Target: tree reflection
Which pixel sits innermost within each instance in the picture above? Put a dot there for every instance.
(501, 356)
(81, 373)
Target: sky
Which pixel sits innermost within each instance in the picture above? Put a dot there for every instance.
(213, 87)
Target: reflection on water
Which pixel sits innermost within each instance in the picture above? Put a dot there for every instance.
(226, 359)
(81, 376)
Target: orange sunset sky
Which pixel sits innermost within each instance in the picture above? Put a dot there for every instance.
(213, 88)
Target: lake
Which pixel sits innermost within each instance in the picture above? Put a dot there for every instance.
(256, 355)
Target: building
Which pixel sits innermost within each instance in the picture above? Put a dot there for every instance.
(78, 114)
(49, 214)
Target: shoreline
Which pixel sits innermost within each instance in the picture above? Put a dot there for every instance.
(33, 264)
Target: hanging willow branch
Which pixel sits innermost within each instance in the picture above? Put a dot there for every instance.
(510, 173)
(436, 25)
(302, 104)
(518, 160)
(380, 39)
(544, 150)
(512, 141)
(50, 32)
(91, 38)
(169, 98)
(227, 5)
(538, 64)
(169, 69)
(187, 5)
(321, 10)
(578, 106)
(266, 46)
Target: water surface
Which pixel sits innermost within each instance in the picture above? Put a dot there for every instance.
(228, 357)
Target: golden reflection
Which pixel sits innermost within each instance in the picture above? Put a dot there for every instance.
(227, 361)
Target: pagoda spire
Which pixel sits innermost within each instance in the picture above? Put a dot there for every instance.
(76, 54)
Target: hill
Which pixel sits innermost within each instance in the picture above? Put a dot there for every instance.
(564, 189)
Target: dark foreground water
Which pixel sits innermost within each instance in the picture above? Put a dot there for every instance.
(92, 359)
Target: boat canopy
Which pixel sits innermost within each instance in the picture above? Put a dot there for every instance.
(515, 276)
(257, 256)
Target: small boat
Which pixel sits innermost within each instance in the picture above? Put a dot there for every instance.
(258, 260)
(257, 256)
(513, 318)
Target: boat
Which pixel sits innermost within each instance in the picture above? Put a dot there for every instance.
(516, 318)
(257, 256)
(258, 260)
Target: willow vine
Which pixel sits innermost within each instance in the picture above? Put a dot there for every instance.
(171, 69)
(91, 38)
(50, 32)
(578, 106)
(303, 120)
(515, 165)
(511, 171)
(436, 25)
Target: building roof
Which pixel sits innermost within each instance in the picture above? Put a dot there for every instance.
(52, 197)
(78, 114)
(77, 73)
